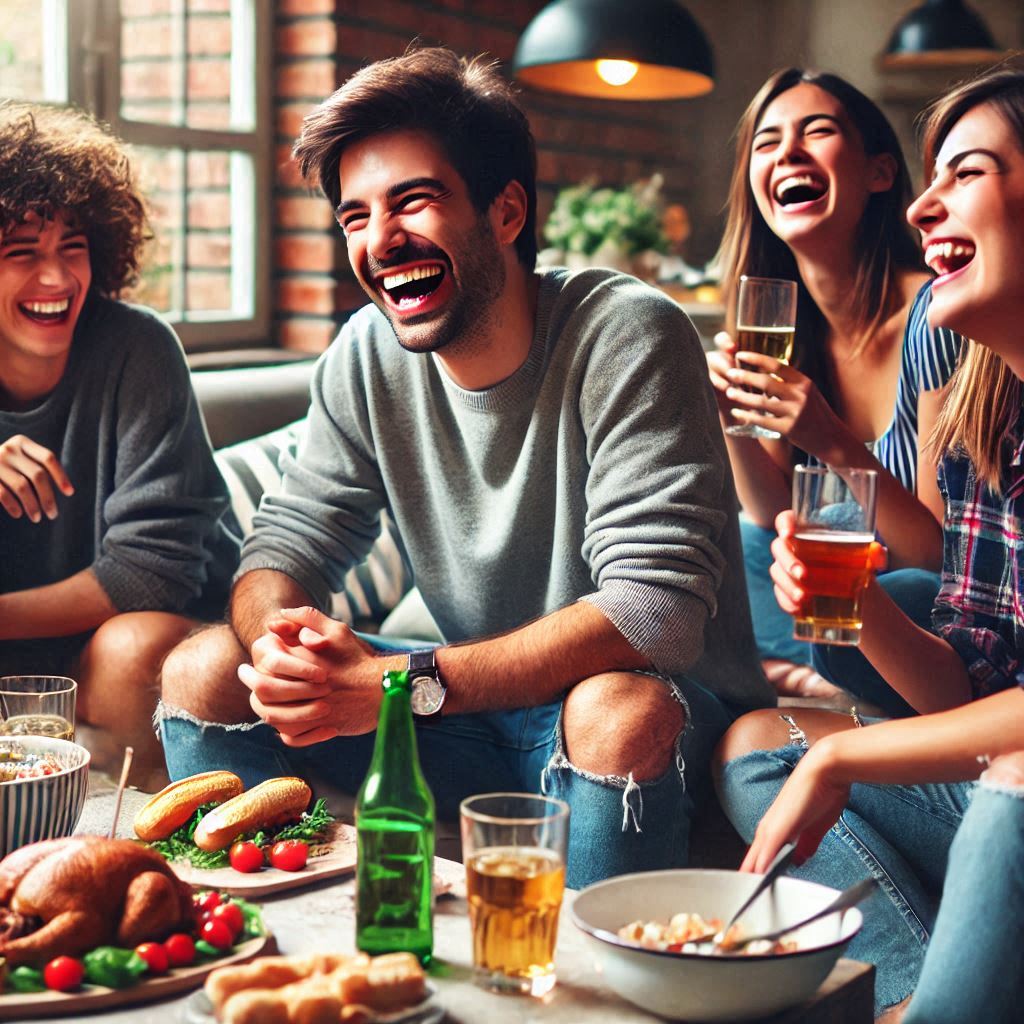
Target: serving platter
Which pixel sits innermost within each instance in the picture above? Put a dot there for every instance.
(27, 1005)
(339, 859)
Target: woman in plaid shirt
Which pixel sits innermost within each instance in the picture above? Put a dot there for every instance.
(898, 799)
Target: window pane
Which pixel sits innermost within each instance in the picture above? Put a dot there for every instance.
(180, 58)
(162, 177)
(200, 265)
(33, 50)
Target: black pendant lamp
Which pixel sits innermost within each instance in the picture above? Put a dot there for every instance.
(616, 49)
(940, 33)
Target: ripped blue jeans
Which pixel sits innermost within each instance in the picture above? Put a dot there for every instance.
(616, 825)
(958, 841)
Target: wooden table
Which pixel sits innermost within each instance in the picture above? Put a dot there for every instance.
(322, 918)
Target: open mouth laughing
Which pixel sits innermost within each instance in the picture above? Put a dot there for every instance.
(799, 189)
(53, 311)
(948, 255)
(411, 288)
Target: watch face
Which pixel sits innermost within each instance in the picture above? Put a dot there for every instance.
(427, 695)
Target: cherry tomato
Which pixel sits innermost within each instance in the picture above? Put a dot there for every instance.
(206, 901)
(180, 949)
(157, 960)
(63, 973)
(289, 854)
(218, 934)
(231, 915)
(246, 857)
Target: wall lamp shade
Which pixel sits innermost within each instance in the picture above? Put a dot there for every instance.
(940, 33)
(616, 49)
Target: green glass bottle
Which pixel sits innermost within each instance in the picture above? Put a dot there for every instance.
(395, 836)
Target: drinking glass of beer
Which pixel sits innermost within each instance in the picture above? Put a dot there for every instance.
(514, 847)
(835, 527)
(37, 706)
(765, 323)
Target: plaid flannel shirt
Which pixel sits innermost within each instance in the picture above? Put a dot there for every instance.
(980, 606)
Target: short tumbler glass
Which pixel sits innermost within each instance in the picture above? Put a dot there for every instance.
(835, 528)
(514, 846)
(38, 706)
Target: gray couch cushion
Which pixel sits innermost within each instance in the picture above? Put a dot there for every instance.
(371, 590)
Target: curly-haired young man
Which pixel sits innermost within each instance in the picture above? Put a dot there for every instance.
(112, 541)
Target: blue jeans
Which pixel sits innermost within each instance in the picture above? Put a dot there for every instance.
(960, 841)
(913, 590)
(979, 976)
(615, 826)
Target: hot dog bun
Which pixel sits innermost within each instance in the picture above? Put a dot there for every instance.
(270, 803)
(176, 803)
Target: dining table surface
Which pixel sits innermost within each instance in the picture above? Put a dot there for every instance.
(321, 918)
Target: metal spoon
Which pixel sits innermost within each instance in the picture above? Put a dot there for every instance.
(782, 861)
(846, 899)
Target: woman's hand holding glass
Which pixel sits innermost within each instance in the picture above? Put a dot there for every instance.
(780, 399)
(787, 571)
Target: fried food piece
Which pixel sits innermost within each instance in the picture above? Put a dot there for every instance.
(385, 983)
(331, 988)
(269, 972)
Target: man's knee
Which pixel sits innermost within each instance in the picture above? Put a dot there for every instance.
(621, 723)
(204, 663)
(137, 639)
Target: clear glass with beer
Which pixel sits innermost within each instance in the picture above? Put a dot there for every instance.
(514, 847)
(766, 324)
(835, 527)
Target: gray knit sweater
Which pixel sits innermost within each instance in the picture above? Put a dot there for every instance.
(149, 510)
(597, 471)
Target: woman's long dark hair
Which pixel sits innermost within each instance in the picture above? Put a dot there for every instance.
(885, 243)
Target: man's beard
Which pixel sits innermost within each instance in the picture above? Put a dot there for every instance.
(469, 314)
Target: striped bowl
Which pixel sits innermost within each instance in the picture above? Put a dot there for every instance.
(46, 807)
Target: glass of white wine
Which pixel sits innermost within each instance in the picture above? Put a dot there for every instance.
(765, 323)
(38, 706)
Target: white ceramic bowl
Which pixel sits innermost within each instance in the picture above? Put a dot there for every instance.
(698, 987)
(46, 807)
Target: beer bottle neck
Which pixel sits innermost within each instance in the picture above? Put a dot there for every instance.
(395, 778)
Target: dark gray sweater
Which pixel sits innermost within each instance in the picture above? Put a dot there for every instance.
(150, 511)
(597, 471)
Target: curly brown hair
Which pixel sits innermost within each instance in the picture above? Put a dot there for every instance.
(57, 159)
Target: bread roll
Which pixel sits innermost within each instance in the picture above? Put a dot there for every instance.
(176, 803)
(270, 803)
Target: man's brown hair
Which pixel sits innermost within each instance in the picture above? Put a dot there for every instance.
(466, 105)
(54, 159)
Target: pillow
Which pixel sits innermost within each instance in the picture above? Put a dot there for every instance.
(250, 469)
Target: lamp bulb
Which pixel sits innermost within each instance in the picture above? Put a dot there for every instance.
(617, 72)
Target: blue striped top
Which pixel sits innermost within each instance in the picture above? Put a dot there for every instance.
(929, 358)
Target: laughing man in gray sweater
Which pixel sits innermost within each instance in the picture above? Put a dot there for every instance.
(548, 446)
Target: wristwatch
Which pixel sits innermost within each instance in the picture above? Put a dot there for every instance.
(428, 691)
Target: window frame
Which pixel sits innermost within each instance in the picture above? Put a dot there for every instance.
(94, 83)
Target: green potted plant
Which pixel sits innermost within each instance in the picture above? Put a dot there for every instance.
(620, 228)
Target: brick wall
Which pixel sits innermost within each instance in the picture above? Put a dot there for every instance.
(319, 43)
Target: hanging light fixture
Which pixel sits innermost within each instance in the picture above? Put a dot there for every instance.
(614, 49)
(940, 33)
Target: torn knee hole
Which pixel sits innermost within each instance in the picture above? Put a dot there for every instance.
(1006, 772)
